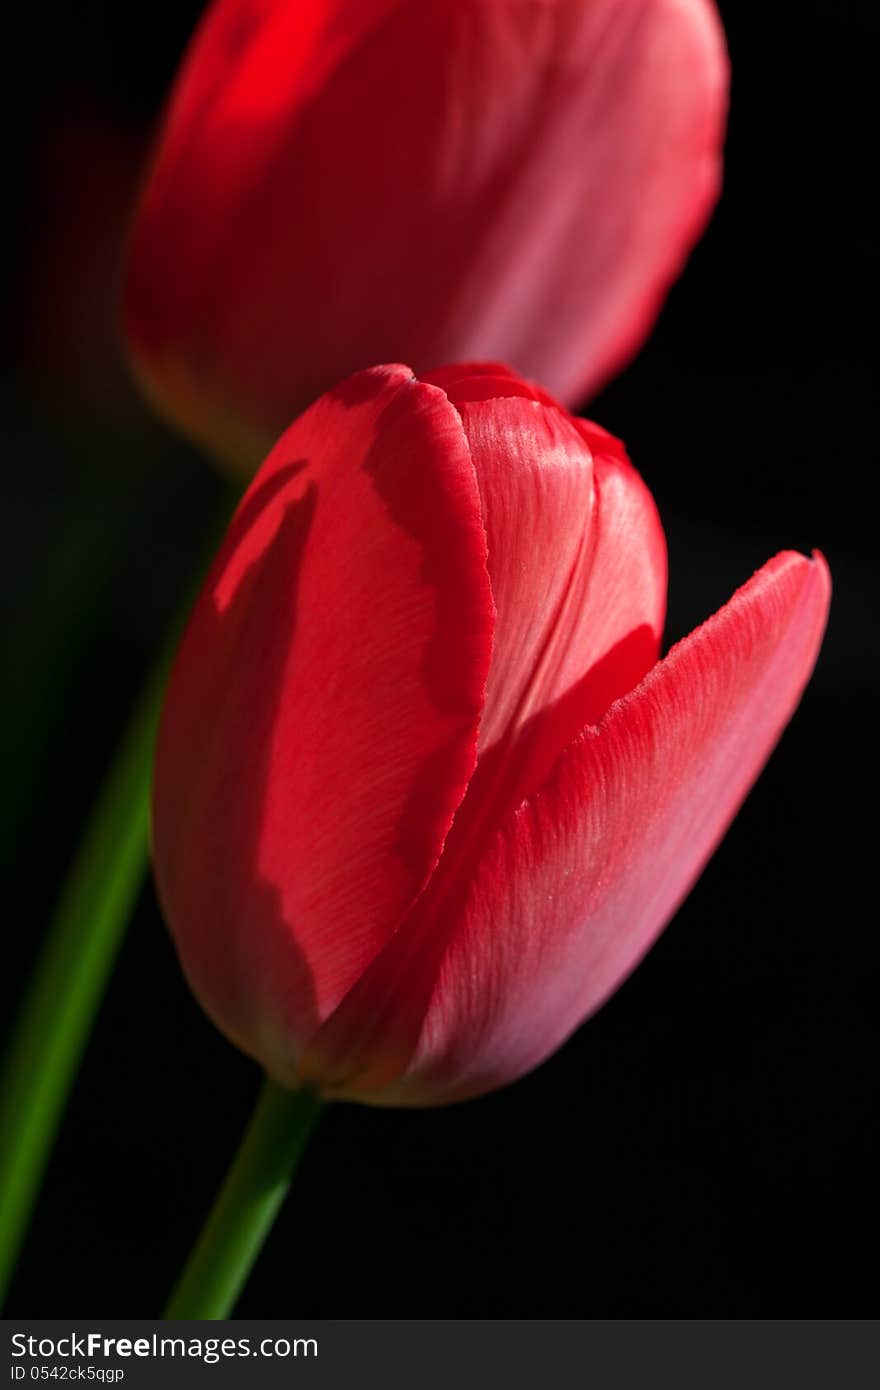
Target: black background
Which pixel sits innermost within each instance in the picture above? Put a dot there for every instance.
(707, 1145)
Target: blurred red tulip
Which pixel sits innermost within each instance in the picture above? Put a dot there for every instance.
(341, 182)
(424, 795)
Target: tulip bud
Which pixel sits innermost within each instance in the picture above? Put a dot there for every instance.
(342, 182)
(424, 794)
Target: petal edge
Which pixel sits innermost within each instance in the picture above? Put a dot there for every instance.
(581, 879)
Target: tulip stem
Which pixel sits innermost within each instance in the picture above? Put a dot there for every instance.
(72, 970)
(71, 973)
(247, 1204)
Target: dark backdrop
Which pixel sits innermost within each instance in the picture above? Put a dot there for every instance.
(707, 1145)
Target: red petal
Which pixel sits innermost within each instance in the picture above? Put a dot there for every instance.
(657, 75)
(485, 381)
(577, 563)
(578, 571)
(594, 582)
(320, 725)
(579, 881)
(346, 183)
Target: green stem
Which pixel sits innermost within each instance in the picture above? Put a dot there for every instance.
(71, 973)
(247, 1204)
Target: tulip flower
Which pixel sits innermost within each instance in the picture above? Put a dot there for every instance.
(341, 182)
(424, 793)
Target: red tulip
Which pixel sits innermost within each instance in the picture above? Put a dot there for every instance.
(341, 182)
(424, 794)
